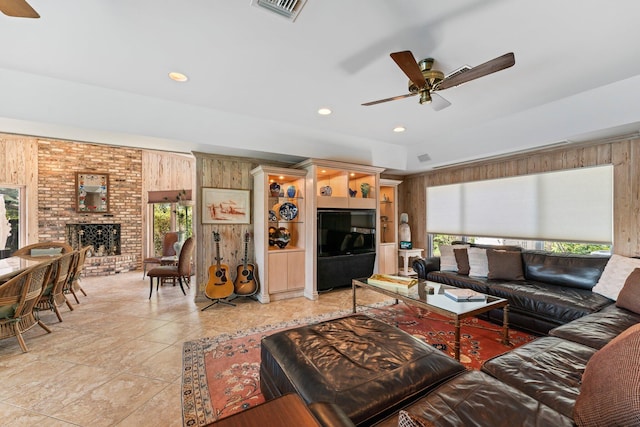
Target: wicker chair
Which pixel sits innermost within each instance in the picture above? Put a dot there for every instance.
(18, 297)
(53, 295)
(167, 250)
(43, 249)
(73, 283)
(180, 271)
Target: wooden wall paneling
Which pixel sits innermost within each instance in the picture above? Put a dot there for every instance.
(19, 160)
(163, 171)
(214, 171)
(625, 155)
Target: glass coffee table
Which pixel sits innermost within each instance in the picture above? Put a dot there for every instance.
(430, 296)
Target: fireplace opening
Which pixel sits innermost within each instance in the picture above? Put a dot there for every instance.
(105, 238)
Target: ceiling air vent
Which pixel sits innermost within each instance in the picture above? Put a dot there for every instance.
(287, 8)
(460, 70)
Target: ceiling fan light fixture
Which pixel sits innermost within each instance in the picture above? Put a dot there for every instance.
(425, 97)
(178, 77)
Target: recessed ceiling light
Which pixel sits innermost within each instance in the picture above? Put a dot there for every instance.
(178, 77)
(399, 129)
(324, 111)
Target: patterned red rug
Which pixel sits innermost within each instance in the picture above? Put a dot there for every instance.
(220, 375)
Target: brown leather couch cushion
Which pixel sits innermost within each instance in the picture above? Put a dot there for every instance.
(597, 329)
(548, 369)
(477, 399)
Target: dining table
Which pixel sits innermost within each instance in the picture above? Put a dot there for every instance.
(15, 265)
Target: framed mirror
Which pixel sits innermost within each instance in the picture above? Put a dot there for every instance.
(92, 192)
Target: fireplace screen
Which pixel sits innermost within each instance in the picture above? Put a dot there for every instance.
(105, 238)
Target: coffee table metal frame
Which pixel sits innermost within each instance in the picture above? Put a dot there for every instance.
(441, 304)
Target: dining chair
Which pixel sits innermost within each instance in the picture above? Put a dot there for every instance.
(180, 271)
(53, 295)
(167, 250)
(73, 280)
(18, 297)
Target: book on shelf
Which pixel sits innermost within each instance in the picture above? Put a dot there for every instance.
(462, 295)
(388, 279)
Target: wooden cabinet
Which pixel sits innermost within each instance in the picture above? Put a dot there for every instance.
(388, 210)
(280, 215)
(286, 271)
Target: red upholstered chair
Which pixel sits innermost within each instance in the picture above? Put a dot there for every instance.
(181, 271)
(167, 250)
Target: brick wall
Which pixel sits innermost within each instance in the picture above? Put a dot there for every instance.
(58, 161)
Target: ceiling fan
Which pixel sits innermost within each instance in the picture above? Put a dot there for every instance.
(425, 81)
(18, 9)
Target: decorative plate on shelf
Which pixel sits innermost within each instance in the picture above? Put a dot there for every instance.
(288, 211)
(272, 216)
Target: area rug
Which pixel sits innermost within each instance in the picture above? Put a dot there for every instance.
(221, 375)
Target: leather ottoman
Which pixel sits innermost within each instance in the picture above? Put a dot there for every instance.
(366, 367)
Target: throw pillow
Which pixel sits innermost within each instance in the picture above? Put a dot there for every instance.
(46, 252)
(505, 265)
(447, 258)
(462, 259)
(610, 390)
(406, 419)
(615, 273)
(478, 263)
(629, 296)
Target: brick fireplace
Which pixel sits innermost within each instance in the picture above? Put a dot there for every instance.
(58, 161)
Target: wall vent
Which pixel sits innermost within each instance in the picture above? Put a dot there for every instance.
(286, 8)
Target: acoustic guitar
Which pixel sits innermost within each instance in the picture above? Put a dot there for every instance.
(245, 283)
(219, 285)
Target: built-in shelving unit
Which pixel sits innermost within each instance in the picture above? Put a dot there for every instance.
(388, 210)
(280, 211)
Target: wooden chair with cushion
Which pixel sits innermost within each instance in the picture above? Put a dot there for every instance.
(167, 250)
(43, 249)
(73, 282)
(180, 271)
(18, 297)
(53, 294)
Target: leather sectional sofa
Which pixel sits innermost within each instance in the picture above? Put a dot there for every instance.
(585, 371)
(539, 383)
(554, 288)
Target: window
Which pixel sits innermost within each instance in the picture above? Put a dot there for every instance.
(571, 205)
(10, 219)
(170, 217)
(170, 210)
(436, 240)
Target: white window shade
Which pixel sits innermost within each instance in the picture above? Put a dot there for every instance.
(571, 205)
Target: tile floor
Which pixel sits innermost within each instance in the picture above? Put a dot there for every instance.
(116, 359)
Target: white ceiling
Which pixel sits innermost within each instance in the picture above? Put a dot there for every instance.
(96, 70)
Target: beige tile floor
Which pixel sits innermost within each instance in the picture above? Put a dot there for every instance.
(116, 359)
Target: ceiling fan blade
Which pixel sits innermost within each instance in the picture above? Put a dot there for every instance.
(409, 66)
(500, 63)
(380, 101)
(18, 9)
(438, 102)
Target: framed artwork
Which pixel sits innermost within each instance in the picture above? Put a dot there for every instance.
(226, 206)
(92, 192)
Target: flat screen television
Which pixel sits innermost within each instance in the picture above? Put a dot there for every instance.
(346, 232)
